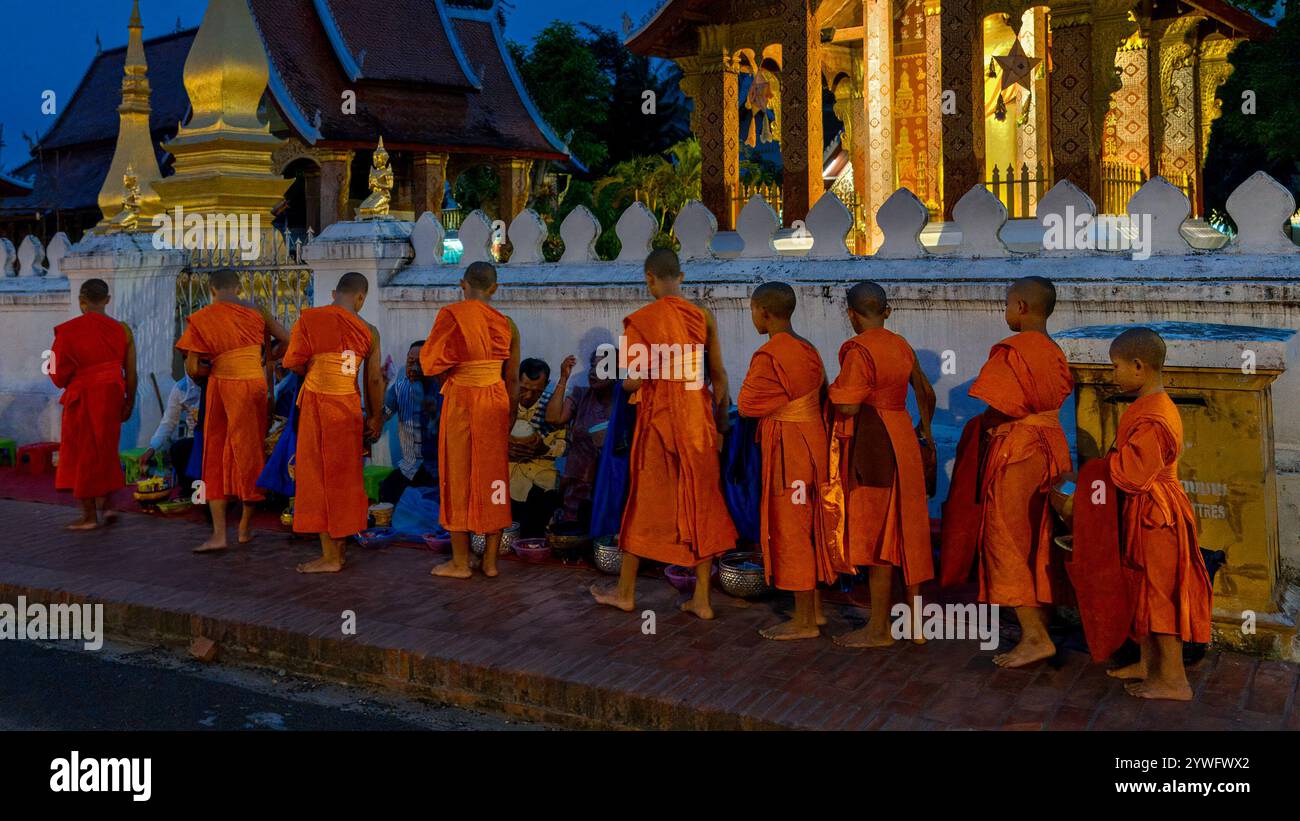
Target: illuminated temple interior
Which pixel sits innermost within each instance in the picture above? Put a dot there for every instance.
(867, 96)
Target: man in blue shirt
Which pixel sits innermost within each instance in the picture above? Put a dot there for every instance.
(415, 401)
(175, 431)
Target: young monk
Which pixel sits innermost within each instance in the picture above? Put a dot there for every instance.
(1021, 452)
(94, 362)
(887, 519)
(784, 389)
(675, 512)
(474, 349)
(326, 347)
(227, 342)
(1171, 596)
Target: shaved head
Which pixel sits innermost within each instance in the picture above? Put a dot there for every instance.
(224, 280)
(353, 283)
(663, 264)
(1038, 293)
(1142, 344)
(94, 291)
(776, 298)
(868, 299)
(481, 276)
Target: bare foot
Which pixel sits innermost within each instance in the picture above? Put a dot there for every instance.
(702, 611)
(821, 620)
(1129, 672)
(863, 638)
(789, 631)
(610, 596)
(490, 568)
(245, 538)
(449, 570)
(82, 524)
(321, 566)
(1025, 653)
(212, 545)
(1154, 688)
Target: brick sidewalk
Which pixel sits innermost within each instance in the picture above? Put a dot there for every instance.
(532, 645)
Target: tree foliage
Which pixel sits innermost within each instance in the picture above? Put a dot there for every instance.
(1243, 142)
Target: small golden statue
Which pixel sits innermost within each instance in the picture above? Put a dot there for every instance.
(128, 219)
(375, 206)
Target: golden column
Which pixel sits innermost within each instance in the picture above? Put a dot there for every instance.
(134, 142)
(878, 74)
(223, 155)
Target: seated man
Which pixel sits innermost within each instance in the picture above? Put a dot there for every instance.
(175, 431)
(415, 400)
(534, 447)
(586, 411)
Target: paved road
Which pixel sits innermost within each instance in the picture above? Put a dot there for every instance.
(124, 687)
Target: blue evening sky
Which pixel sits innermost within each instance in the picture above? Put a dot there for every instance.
(49, 45)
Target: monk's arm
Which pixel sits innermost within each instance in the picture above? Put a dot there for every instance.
(132, 377)
(374, 387)
(717, 374)
(194, 366)
(925, 397)
(511, 375)
(279, 335)
(61, 367)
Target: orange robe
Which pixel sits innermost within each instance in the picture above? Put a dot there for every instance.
(675, 512)
(88, 356)
(468, 346)
(331, 497)
(887, 523)
(1171, 593)
(783, 390)
(1026, 379)
(234, 422)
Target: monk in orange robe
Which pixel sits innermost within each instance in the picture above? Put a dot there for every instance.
(785, 388)
(325, 348)
(93, 360)
(887, 520)
(226, 343)
(1022, 452)
(1170, 593)
(675, 512)
(474, 351)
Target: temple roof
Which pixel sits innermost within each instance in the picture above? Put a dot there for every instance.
(454, 90)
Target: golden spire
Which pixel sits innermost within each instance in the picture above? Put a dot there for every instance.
(135, 148)
(223, 154)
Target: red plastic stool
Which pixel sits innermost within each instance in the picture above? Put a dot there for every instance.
(38, 458)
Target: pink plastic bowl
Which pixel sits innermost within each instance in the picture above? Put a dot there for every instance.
(438, 542)
(683, 578)
(532, 550)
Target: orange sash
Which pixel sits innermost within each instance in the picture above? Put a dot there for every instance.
(327, 375)
(478, 373)
(240, 363)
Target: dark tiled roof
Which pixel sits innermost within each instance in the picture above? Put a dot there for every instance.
(312, 79)
(398, 41)
(91, 114)
(63, 178)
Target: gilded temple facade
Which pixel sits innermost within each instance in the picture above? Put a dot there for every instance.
(940, 95)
